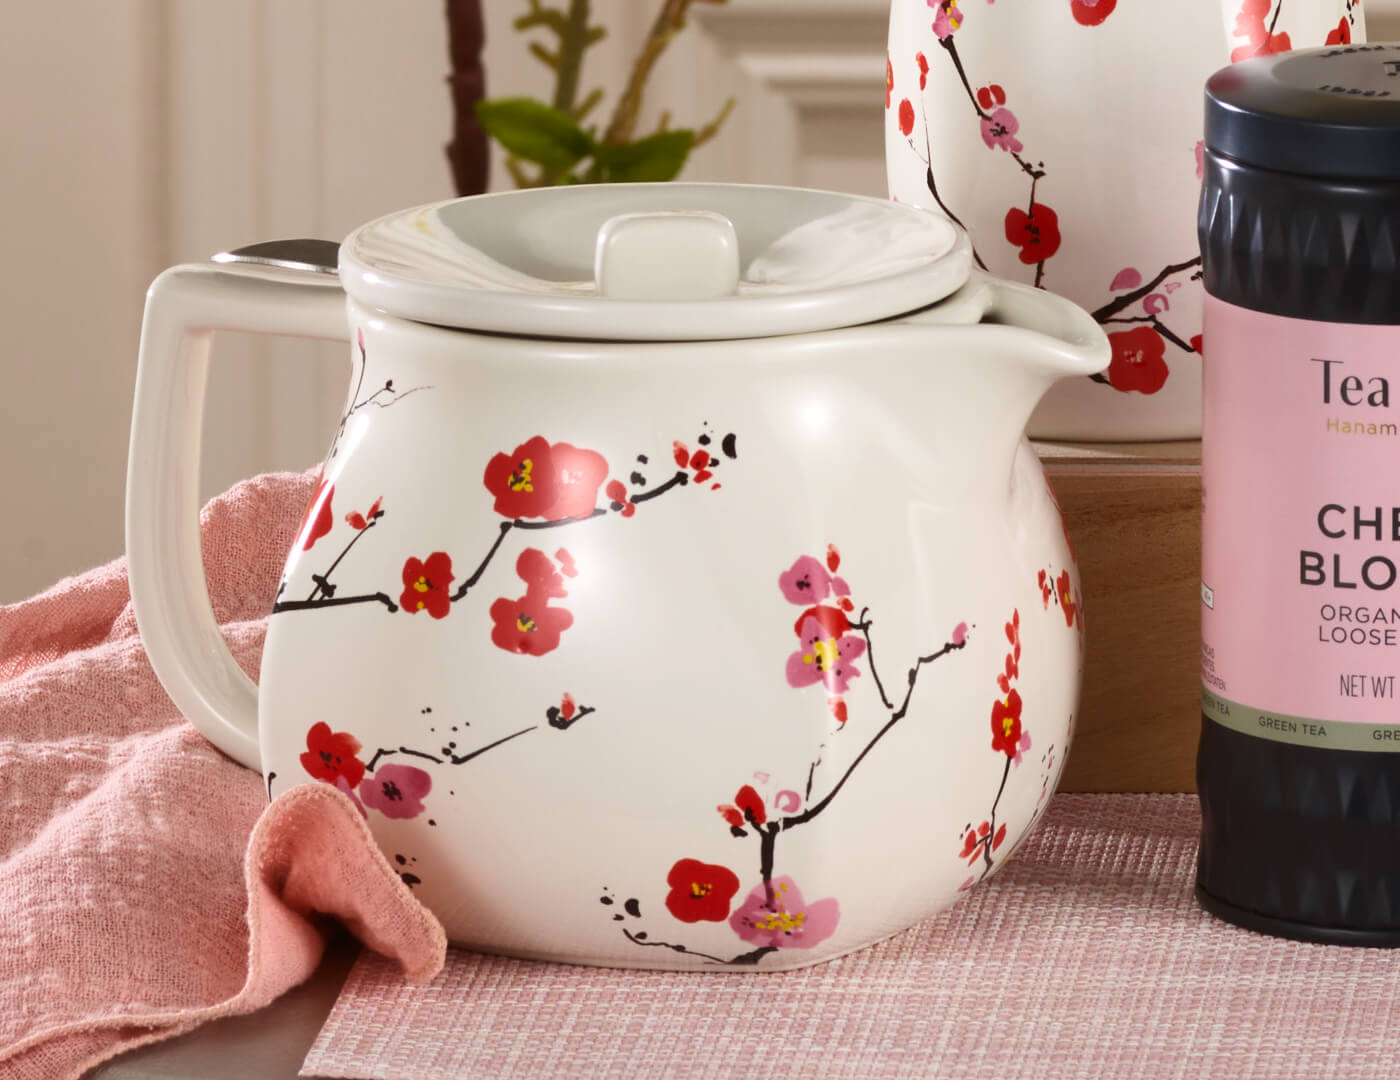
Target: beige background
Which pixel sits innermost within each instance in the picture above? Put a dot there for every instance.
(138, 133)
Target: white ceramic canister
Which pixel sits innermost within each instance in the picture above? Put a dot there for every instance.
(679, 590)
(1065, 135)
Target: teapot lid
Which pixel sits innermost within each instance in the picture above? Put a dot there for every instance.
(655, 262)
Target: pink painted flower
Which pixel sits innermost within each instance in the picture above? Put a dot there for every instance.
(787, 922)
(1200, 158)
(824, 658)
(1022, 747)
(999, 130)
(396, 791)
(1130, 277)
(947, 19)
(960, 634)
(808, 582)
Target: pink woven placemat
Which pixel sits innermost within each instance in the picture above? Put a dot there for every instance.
(1086, 957)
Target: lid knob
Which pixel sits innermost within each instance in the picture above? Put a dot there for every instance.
(667, 255)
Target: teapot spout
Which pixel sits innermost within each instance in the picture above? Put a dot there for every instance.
(1060, 339)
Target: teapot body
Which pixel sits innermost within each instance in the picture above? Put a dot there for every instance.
(739, 654)
(1065, 136)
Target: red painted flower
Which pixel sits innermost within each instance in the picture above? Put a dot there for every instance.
(544, 480)
(700, 892)
(906, 117)
(1252, 24)
(1006, 725)
(426, 585)
(1037, 234)
(617, 494)
(922, 61)
(889, 80)
(528, 625)
(537, 570)
(318, 519)
(750, 804)
(832, 621)
(1091, 12)
(359, 522)
(1341, 35)
(1043, 580)
(1138, 361)
(330, 755)
(1067, 604)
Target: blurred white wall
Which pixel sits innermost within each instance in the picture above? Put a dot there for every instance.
(139, 133)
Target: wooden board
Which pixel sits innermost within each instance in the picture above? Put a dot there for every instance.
(1133, 513)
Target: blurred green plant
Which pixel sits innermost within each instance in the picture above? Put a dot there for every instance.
(547, 143)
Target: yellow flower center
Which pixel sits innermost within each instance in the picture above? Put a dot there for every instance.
(781, 920)
(422, 585)
(525, 624)
(824, 654)
(697, 890)
(1007, 723)
(520, 480)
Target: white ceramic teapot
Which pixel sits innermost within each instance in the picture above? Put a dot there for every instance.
(679, 590)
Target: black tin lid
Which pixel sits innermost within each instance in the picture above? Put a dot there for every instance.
(1331, 112)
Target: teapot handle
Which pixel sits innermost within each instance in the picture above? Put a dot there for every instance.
(165, 566)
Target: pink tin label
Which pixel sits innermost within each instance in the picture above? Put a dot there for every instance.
(1300, 583)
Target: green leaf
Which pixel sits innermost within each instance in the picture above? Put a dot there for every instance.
(534, 131)
(657, 157)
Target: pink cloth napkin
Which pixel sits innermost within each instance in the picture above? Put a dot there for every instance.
(145, 884)
(1087, 957)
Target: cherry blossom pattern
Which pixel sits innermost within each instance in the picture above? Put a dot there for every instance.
(360, 522)
(396, 791)
(1036, 232)
(906, 116)
(1010, 739)
(1091, 12)
(947, 18)
(1254, 25)
(319, 519)
(889, 80)
(567, 713)
(827, 648)
(1341, 34)
(1070, 605)
(1139, 361)
(747, 809)
(332, 755)
(384, 397)
(528, 625)
(774, 915)
(827, 653)
(999, 124)
(549, 481)
(425, 585)
(700, 892)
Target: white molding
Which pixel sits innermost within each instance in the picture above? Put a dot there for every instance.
(811, 69)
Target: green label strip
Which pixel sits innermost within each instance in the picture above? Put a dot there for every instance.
(1300, 730)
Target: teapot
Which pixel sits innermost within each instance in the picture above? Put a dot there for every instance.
(679, 589)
